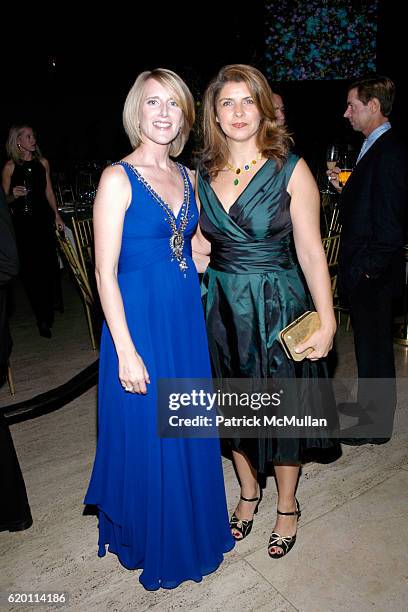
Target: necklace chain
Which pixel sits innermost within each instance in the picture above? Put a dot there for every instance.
(177, 237)
(246, 167)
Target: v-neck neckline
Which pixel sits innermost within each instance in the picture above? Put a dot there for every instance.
(235, 202)
(150, 188)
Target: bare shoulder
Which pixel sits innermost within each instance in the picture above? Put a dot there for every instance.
(301, 167)
(8, 167)
(114, 190)
(114, 176)
(301, 177)
(191, 174)
(44, 161)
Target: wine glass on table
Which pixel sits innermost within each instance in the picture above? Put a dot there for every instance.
(332, 158)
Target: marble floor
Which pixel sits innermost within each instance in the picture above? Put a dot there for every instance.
(351, 552)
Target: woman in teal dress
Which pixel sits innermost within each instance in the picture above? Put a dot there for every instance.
(260, 222)
(161, 501)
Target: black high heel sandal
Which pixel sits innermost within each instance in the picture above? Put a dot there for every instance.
(244, 526)
(283, 542)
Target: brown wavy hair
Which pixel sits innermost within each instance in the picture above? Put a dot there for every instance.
(273, 141)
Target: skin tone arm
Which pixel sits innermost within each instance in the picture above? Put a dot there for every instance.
(201, 246)
(18, 190)
(50, 195)
(305, 210)
(201, 251)
(112, 200)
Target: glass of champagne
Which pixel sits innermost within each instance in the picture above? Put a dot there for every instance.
(345, 172)
(332, 158)
(28, 185)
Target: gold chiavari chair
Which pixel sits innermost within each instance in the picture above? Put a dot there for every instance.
(331, 245)
(65, 194)
(84, 240)
(82, 281)
(334, 225)
(325, 213)
(10, 378)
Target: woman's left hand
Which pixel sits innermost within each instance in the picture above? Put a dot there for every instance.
(59, 223)
(321, 341)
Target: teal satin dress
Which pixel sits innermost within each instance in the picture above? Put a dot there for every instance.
(252, 288)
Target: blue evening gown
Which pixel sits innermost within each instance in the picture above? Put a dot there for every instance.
(161, 501)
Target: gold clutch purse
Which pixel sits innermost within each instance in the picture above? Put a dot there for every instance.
(298, 331)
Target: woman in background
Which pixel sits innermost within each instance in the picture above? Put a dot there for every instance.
(26, 181)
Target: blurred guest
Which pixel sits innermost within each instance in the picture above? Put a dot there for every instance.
(8, 269)
(15, 512)
(373, 205)
(27, 184)
(279, 109)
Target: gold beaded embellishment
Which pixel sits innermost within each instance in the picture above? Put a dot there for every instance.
(177, 237)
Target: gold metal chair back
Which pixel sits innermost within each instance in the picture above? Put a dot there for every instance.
(334, 223)
(325, 213)
(64, 193)
(81, 279)
(10, 379)
(331, 246)
(84, 239)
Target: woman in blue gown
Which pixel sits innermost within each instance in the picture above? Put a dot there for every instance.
(161, 501)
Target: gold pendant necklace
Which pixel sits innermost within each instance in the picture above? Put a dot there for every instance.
(247, 168)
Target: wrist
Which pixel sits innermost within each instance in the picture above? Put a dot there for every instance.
(126, 350)
(328, 324)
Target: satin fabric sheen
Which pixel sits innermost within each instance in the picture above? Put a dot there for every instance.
(253, 288)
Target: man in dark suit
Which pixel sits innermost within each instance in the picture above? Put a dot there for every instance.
(373, 205)
(15, 512)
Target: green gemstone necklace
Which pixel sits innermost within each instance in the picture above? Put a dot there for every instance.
(246, 168)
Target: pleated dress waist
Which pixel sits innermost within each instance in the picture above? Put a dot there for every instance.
(254, 257)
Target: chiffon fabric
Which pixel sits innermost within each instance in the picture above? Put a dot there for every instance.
(161, 501)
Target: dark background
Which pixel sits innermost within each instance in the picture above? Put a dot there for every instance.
(70, 79)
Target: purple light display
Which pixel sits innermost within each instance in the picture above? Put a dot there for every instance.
(320, 39)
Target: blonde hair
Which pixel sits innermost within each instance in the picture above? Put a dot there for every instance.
(11, 145)
(182, 95)
(273, 141)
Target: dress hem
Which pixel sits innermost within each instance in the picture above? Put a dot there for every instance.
(164, 584)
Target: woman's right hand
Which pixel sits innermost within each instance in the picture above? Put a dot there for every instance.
(19, 191)
(133, 374)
